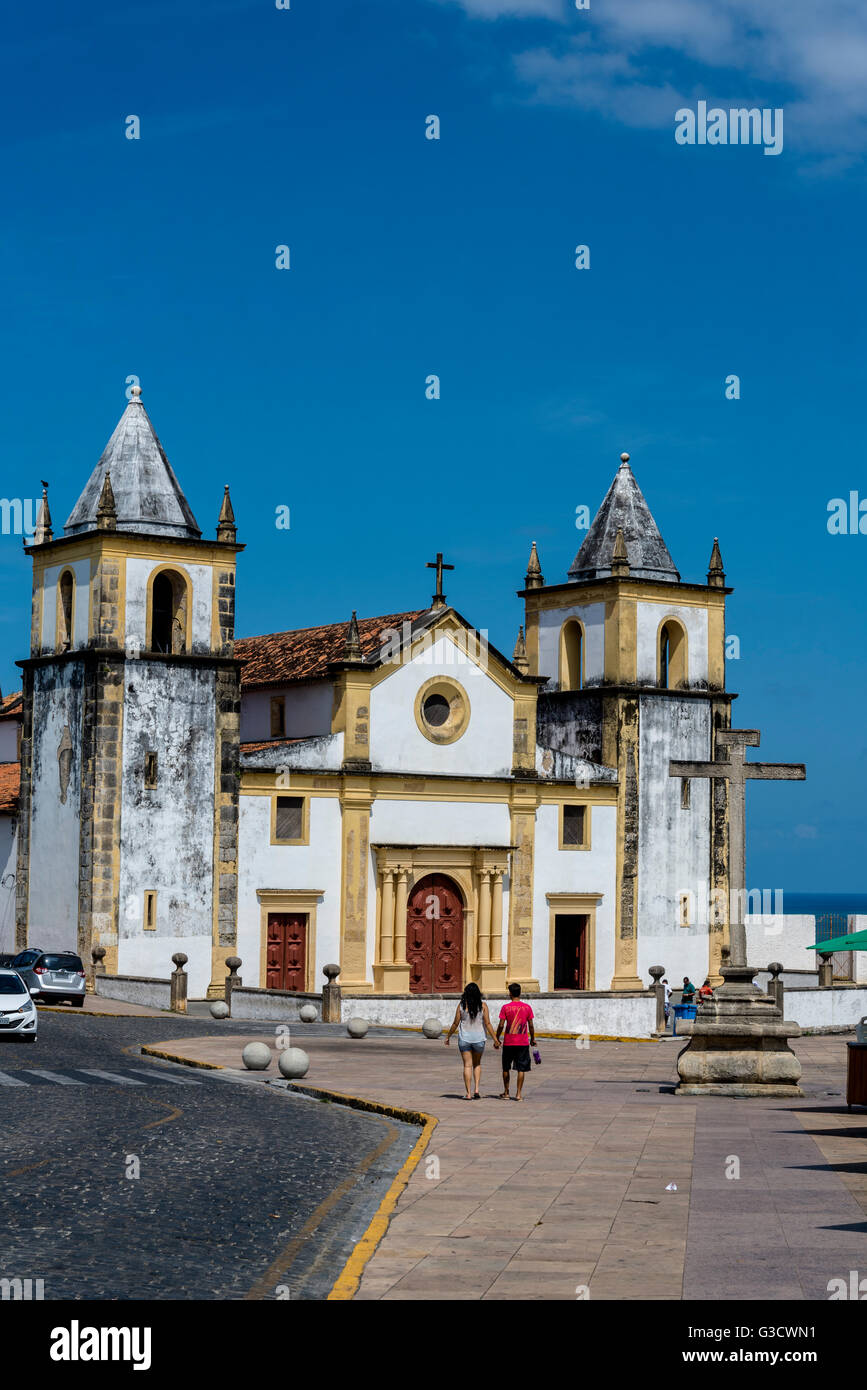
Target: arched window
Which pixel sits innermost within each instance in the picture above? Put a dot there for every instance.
(65, 594)
(572, 655)
(672, 656)
(169, 613)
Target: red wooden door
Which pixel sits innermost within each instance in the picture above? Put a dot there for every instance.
(286, 966)
(435, 937)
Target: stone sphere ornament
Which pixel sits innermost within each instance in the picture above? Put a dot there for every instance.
(219, 1009)
(293, 1063)
(256, 1056)
(308, 1013)
(357, 1027)
(432, 1028)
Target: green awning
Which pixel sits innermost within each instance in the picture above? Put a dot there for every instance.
(856, 942)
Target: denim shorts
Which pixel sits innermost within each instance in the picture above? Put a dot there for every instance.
(471, 1046)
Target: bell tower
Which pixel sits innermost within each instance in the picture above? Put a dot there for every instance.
(635, 660)
(130, 745)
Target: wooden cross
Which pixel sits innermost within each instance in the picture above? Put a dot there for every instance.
(439, 598)
(735, 769)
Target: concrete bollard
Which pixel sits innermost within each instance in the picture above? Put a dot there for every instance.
(178, 1003)
(331, 995)
(656, 972)
(826, 972)
(97, 968)
(233, 979)
(776, 988)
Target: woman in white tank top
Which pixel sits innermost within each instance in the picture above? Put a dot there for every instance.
(473, 1024)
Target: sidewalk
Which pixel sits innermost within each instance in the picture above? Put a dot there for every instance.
(565, 1195)
(95, 1004)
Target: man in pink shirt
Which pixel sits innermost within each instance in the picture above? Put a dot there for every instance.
(517, 1019)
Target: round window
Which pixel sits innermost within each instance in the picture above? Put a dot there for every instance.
(442, 710)
(436, 709)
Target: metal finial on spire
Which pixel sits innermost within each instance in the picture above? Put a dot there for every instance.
(135, 393)
(534, 578)
(624, 459)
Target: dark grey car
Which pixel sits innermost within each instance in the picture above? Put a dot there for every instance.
(52, 976)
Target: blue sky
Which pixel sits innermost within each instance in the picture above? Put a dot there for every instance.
(306, 387)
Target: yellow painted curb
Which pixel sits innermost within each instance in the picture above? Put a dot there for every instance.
(185, 1061)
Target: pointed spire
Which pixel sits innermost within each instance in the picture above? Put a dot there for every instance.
(352, 651)
(619, 556)
(716, 574)
(43, 532)
(624, 508)
(534, 578)
(226, 528)
(519, 655)
(106, 512)
(148, 497)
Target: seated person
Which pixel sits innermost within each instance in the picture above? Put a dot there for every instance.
(705, 992)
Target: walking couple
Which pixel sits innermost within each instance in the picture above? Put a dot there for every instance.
(473, 1023)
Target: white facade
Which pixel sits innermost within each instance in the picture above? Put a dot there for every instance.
(308, 711)
(139, 571)
(575, 871)
(54, 824)
(650, 617)
(592, 617)
(80, 570)
(8, 870)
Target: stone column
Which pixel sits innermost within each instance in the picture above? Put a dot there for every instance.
(658, 988)
(178, 981)
(497, 918)
(233, 965)
(520, 965)
(386, 933)
(355, 803)
(483, 930)
(331, 994)
(400, 903)
(776, 988)
(826, 972)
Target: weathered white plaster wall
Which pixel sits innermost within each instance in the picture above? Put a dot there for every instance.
(167, 834)
(398, 745)
(8, 870)
(305, 867)
(80, 604)
(648, 620)
(575, 871)
(551, 621)
(54, 825)
(826, 1008)
(322, 752)
(399, 822)
(308, 711)
(674, 843)
(152, 993)
(781, 937)
(138, 573)
(606, 1015)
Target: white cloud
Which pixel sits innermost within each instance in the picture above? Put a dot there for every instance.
(634, 61)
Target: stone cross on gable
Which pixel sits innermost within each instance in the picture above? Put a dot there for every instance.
(439, 598)
(735, 769)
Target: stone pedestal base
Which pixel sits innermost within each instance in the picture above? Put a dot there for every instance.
(738, 1044)
(490, 978)
(389, 979)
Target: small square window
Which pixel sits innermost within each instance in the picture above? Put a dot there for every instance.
(574, 826)
(150, 771)
(278, 717)
(289, 818)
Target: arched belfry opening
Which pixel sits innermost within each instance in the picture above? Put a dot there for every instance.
(572, 655)
(65, 593)
(168, 628)
(672, 656)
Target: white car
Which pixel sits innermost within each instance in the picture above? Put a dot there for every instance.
(17, 1010)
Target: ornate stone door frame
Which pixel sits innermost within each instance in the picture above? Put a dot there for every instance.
(477, 872)
(577, 905)
(289, 900)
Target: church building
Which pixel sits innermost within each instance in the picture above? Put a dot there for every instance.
(389, 793)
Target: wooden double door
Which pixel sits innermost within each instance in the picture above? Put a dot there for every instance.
(286, 960)
(435, 936)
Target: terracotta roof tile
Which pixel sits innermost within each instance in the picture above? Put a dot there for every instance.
(10, 781)
(305, 654)
(11, 705)
(270, 743)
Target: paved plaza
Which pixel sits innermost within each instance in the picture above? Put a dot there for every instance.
(602, 1182)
